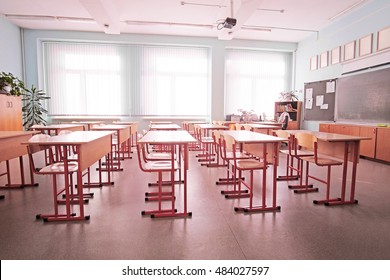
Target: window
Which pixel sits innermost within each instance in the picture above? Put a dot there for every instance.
(83, 79)
(174, 81)
(254, 79)
(122, 80)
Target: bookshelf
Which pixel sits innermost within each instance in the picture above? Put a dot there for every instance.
(293, 108)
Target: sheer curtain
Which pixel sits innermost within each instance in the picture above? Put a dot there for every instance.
(254, 79)
(84, 79)
(118, 80)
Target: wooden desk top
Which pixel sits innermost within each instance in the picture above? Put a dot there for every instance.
(170, 126)
(110, 127)
(10, 134)
(56, 126)
(212, 126)
(245, 136)
(124, 123)
(331, 137)
(167, 137)
(74, 138)
(264, 126)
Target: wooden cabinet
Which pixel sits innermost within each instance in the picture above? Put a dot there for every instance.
(367, 147)
(10, 112)
(383, 144)
(378, 147)
(293, 108)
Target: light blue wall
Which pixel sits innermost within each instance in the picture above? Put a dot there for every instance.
(32, 51)
(10, 49)
(373, 17)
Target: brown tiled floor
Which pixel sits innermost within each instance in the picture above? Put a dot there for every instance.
(116, 230)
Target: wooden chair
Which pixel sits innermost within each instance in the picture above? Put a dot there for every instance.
(206, 146)
(302, 147)
(311, 141)
(248, 164)
(159, 167)
(54, 168)
(228, 155)
(290, 168)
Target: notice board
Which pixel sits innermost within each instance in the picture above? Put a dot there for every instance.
(319, 102)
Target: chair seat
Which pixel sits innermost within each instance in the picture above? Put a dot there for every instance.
(323, 161)
(158, 156)
(59, 168)
(249, 164)
(239, 155)
(162, 165)
(302, 153)
(207, 139)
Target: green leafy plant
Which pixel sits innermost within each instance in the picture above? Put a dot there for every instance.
(33, 110)
(11, 84)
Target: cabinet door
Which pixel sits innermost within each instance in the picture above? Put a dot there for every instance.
(367, 147)
(346, 129)
(325, 127)
(10, 112)
(383, 144)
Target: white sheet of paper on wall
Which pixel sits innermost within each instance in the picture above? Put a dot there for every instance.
(309, 103)
(309, 93)
(330, 87)
(319, 100)
(324, 107)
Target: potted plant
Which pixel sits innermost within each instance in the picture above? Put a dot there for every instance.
(11, 85)
(288, 95)
(33, 110)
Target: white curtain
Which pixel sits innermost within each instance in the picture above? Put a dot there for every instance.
(254, 79)
(137, 80)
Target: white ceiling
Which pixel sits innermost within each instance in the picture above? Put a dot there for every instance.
(281, 20)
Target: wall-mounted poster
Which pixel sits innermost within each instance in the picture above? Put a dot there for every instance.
(365, 45)
(324, 59)
(313, 63)
(335, 55)
(349, 51)
(384, 39)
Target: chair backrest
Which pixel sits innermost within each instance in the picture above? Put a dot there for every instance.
(304, 140)
(33, 148)
(247, 127)
(281, 133)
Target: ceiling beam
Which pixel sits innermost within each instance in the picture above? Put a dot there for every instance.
(245, 10)
(104, 13)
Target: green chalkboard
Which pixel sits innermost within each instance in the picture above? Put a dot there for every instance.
(326, 90)
(364, 97)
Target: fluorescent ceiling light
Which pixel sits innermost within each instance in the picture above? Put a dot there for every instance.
(74, 19)
(256, 28)
(200, 4)
(271, 10)
(50, 18)
(30, 17)
(157, 23)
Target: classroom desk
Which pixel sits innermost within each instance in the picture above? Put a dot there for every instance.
(133, 127)
(91, 146)
(182, 139)
(10, 148)
(88, 125)
(207, 147)
(262, 128)
(56, 128)
(123, 134)
(267, 148)
(169, 126)
(345, 147)
(279, 125)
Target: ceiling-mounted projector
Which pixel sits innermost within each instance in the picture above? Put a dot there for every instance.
(229, 22)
